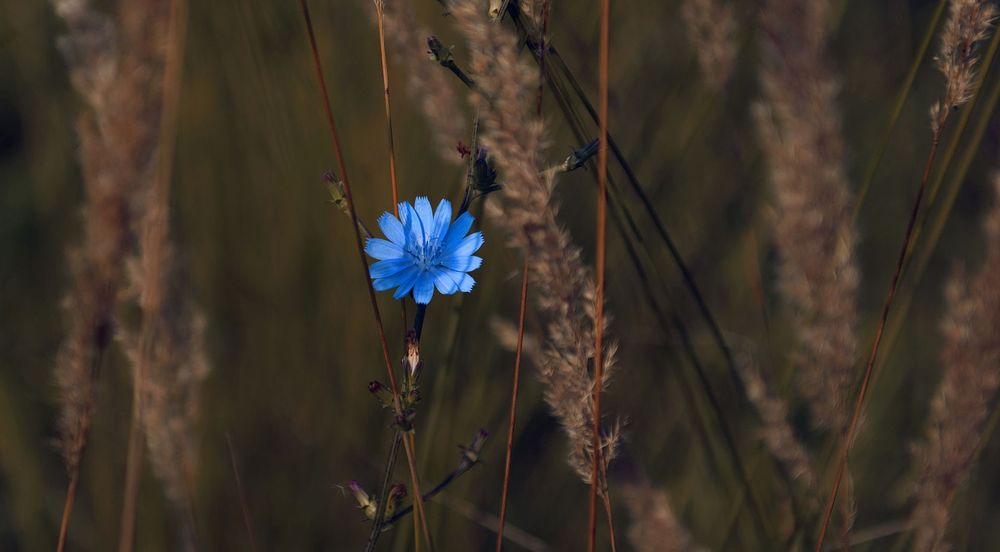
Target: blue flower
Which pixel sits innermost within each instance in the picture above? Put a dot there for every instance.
(425, 250)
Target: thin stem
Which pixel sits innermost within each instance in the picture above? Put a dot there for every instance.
(418, 320)
(247, 523)
(378, 522)
(606, 499)
(513, 404)
(602, 215)
(848, 437)
(335, 138)
(154, 234)
(133, 466)
(558, 64)
(380, 9)
(83, 432)
(74, 481)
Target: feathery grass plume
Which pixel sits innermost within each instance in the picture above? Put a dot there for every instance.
(171, 346)
(813, 229)
(427, 85)
(654, 527)
(971, 357)
(968, 22)
(711, 29)
(513, 134)
(118, 70)
(91, 50)
(776, 433)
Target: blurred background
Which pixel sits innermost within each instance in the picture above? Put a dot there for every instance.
(290, 335)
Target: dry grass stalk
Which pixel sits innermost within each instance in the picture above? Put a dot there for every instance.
(427, 84)
(514, 135)
(800, 131)
(654, 527)
(91, 51)
(169, 351)
(711, 28)
(968, 22)
(971, 356)
(117, 72)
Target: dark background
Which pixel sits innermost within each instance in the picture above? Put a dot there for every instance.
(290, 334)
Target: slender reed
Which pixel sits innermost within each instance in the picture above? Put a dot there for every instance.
(408, 444)
(968, 22)
(244, 507)
(380, 17)
(90, 47)
(167, 355)
(960, 406)
(601, 247)
(513, 404)
(116, 70)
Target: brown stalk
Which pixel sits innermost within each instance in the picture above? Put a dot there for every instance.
(247, 523)
(602, 215)
(328, 112)
(379, 8)
(852, 427)
(513, 403)
(74, 476)
(154, 237)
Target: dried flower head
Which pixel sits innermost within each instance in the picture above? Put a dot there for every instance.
(968, 23)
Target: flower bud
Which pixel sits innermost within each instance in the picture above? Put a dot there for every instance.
(366, 503)
(396, 495)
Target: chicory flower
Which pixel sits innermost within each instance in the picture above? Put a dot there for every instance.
(425, 250)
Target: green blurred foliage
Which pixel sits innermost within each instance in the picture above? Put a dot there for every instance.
(291, 337)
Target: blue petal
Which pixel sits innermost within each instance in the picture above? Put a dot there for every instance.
(442, 218)
(411, 224)
(450, 281)
(462, 263)
(466, 247)
(396, 279)
(382, 269)
(392, 228)
(457, 230)
(423, 208)
(423, 290)
(383, 249)
(407, 284)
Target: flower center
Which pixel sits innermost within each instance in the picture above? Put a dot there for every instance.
(426, 254)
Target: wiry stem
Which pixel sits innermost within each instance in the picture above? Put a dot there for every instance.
(82, 437)
(380, 8)
(328, 112)
(602, 215)
(852, 427)
(513, 404)
(378, 522)
(247, 524)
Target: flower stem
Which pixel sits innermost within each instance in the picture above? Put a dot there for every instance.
(378, 522)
